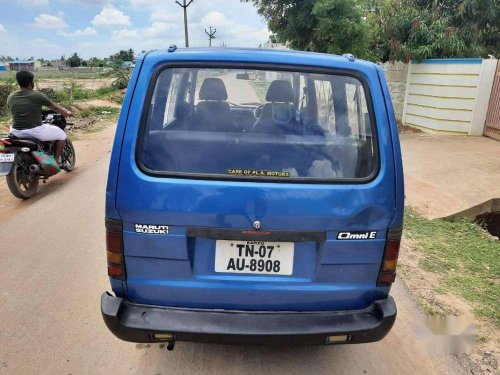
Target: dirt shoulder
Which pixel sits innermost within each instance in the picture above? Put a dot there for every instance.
(452, 268)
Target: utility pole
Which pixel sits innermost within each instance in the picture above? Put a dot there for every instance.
(184, 6)
(210, 35)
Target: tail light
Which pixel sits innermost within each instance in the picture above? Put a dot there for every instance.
(4, 143)
(387, 273)
(114, 249)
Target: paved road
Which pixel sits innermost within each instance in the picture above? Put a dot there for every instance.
(52, 273)
(438, 171)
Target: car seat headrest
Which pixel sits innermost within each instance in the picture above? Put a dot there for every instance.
(213, 89)
(280, 91)
(282, 113)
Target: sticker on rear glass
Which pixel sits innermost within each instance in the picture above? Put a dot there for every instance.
(151, 229)
(371, 235)
(257, 173)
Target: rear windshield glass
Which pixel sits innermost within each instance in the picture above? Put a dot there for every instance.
(258, 124)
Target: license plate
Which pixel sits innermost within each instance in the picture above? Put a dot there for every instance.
(257, 257)
(7, 158)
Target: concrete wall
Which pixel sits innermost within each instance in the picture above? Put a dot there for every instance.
(448, 95)
(395, 74)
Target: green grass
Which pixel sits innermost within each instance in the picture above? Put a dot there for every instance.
(79, 93)
(68, 94)
(105, 112)
(466, 258)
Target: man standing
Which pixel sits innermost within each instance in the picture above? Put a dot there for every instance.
(26, 108)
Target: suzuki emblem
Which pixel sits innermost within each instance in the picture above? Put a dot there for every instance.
(256, 224)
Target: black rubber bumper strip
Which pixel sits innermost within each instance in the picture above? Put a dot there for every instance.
(256, 235)
(139, 323)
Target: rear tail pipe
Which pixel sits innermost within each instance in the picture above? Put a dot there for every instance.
(35, 168)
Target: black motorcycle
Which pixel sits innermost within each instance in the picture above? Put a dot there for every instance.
(26, 161)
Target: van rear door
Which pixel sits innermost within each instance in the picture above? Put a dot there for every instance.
(269, 193)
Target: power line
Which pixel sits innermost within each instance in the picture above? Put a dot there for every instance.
(184, 6)
(210, 35)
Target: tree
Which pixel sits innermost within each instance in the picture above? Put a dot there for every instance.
(333, 26)
(290, 21)
(419, 29)
(123, 55)
(341, 28)
(75, 60)
(382, 30)
(120, 74)
(96, 62)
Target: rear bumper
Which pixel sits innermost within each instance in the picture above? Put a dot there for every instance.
(139, 323)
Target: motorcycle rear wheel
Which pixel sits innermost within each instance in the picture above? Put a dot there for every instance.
(22, 184)
(68, 158)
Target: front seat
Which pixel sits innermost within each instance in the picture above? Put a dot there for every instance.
(278, 116)
(213, 112)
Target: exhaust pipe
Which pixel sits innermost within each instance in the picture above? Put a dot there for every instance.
(35, 168)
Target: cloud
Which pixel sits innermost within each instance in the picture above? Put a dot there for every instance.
(88, 31)
(111, 16)
(124, 35)
(158, 29)
(165, 16)
(123, 24)
(215, 18)
(49, 21)
(230, 31)
(2, 29)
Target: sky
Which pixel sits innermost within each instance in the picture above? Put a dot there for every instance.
(52, 28)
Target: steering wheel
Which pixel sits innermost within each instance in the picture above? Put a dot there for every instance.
(257, 112)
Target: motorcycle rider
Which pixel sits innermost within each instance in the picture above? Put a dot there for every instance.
(26, 108)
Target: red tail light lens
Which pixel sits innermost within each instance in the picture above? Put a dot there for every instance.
(115, 271)
(113, 241)
(114, 249)
(387, 273)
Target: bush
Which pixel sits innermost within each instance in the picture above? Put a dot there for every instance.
(50, 93)
(121, 75)
(5, 90)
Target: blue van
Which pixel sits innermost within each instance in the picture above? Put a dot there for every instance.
(253, 196)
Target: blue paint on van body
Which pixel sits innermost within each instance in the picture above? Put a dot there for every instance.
(177, 270)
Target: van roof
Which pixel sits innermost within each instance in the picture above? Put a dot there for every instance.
(257, 55)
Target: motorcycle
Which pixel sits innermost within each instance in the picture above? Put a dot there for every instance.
(26, 161)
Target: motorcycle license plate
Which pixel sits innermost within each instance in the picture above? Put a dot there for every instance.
(255, 257)
(7, 158)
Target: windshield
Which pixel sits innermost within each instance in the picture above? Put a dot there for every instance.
(258, 124)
